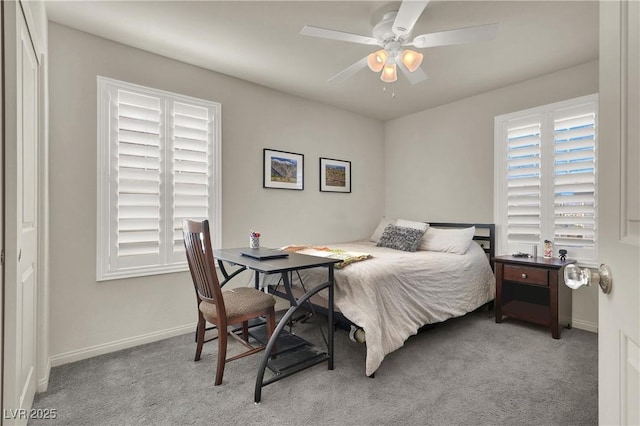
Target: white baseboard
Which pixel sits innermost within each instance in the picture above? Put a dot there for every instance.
(585, 325)
(43, 382)
(105, 348)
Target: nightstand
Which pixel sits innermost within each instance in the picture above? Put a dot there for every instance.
(532, 289)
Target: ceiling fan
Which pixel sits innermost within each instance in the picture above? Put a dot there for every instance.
(393, 34)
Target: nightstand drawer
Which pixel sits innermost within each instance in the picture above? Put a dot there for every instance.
(525, 275)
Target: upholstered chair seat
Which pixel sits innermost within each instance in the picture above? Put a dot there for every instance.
(238, 302)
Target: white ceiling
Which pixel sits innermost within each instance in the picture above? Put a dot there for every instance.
(259, 41)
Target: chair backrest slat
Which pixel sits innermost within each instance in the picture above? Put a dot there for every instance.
(197, 243)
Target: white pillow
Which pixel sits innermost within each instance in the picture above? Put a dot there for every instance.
(384, 222)
(412, 224)
(448, 240)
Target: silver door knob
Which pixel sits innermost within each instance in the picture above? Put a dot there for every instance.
(574, 277)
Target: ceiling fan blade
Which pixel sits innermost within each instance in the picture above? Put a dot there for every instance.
(407, 16)
(312, 31)
(349, 71)
(459, 36)
(414, 77)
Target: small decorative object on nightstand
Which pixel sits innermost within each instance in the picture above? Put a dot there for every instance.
(532, 289)
(548, 249)
(563, 255)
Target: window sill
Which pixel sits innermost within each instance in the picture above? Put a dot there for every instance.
(142, 272)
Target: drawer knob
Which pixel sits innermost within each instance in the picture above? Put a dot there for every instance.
(524, 275)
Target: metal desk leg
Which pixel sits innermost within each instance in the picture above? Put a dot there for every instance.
(267, 352)
(330, 318)
(228, 277)
(274, 337)
(296, 303)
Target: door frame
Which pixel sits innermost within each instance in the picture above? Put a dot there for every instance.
(2, 223)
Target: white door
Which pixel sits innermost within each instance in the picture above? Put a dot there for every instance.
(619, 209)
(21, 75)
(1, 222)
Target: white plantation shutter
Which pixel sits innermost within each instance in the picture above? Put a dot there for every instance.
(136, 136)
(575, 180)
(546, 179)
(524, 181)
(158, 164)
(191, 167)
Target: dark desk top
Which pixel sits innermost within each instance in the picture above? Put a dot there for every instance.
(555, 262)
(269, 266)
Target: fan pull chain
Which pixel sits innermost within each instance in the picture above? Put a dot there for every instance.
(393, 90)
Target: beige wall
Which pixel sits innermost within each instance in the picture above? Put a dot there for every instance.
(435, 165)
(88, 317)
(439, 162)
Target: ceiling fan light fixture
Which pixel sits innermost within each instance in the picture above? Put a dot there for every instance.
(391, 35)
(411, 59)
(376, 60)
(389, 73)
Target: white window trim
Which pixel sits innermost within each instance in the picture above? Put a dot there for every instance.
(103, 179)
(500, 165)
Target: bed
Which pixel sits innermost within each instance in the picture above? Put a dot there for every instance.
(391, 293)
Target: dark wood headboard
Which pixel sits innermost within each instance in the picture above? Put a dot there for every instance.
(485, 236)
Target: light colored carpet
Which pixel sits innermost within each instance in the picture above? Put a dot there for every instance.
(466, 371)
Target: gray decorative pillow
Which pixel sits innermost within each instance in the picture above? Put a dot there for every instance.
(399, 238)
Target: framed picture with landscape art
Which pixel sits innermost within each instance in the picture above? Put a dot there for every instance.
(335, 175)
(283, 170)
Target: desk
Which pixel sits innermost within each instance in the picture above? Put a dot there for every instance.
(283, 266)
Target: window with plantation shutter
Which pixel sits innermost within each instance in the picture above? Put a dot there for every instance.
(546, 179)
(158, 164)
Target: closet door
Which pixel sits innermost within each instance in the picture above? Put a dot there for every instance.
(21, 74)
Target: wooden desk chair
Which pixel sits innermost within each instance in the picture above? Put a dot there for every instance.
(222, 308)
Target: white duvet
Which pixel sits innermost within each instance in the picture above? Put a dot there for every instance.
(395, 293)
